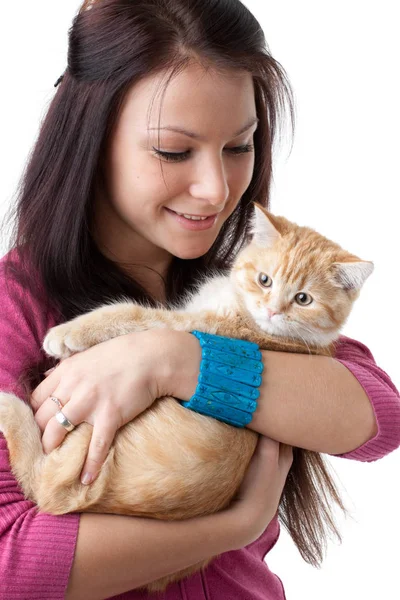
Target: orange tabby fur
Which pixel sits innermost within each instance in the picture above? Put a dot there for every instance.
(198, 469)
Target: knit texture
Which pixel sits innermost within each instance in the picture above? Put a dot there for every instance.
(37, 550)
(383, 395)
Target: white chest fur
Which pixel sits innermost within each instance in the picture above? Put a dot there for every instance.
(217, 293)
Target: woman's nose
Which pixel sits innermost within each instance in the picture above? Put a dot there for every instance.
(211, 184)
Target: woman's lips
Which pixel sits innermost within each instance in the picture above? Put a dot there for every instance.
(192, 225)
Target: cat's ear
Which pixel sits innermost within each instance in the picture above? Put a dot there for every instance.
(352, 275)
(264, 232)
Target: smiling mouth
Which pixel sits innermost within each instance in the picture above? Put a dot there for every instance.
(194, 217)
(193, 222)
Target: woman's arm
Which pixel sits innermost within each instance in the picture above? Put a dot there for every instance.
(113, 554)
(140, 550)
(331, 405)
(313, 402)
(109, 554)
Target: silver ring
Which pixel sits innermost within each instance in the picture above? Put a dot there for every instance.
(56, 400)
(62, 419)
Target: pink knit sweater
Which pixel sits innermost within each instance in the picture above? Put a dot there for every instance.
(37, 550)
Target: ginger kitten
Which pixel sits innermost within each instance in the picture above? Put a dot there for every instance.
(290, 289)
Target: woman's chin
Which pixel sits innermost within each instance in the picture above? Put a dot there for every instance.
(190, 253)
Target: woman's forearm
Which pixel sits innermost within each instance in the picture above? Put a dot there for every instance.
(312, 402)
(115, 553)
(306, 401)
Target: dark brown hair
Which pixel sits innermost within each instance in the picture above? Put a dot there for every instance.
(113, 44)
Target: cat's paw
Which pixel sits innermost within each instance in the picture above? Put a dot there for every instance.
(100, 325)
(64, 340)
(83, 332)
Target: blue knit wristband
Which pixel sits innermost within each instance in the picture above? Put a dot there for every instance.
(230, 374)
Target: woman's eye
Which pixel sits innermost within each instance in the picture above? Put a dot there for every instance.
(241, 149)
(172, 156)
(179, 156)
(264, 280)
(303, 299)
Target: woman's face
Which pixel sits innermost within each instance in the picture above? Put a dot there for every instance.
(136, 216)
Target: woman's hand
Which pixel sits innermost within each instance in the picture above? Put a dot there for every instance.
(258, 498)
(107, 386)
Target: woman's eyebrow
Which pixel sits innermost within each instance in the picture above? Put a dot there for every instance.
(197, 136)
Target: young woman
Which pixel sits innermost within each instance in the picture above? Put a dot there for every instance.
(157, 141)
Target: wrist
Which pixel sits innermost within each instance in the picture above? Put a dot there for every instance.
(233, 532)
(236, 529)
(179, 363)
(230, 375)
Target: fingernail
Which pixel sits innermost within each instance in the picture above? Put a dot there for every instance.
(86, 479)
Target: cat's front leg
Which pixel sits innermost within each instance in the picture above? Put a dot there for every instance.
(23, 438)
(98, 326)
(121, 318)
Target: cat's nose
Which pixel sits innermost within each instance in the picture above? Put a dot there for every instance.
(271, 313)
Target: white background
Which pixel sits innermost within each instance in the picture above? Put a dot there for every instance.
(342, 178)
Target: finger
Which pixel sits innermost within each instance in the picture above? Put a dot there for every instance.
(285, 454)
(45, 389)
(48, 372)
(102, 438)
(54, 433)
(268, 448)
(285, 460)
(46, 411)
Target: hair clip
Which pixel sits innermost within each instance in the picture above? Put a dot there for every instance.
(59, 80)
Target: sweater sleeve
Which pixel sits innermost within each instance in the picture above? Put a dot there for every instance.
(383, 395)
(36, 549)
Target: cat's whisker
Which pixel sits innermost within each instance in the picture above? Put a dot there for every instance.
(313, 337)
(305, 343)
(298, 335)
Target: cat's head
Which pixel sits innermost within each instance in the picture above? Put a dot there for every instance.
(296, 283)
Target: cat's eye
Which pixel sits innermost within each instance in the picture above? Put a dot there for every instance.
(264, 280)
(303, 299)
